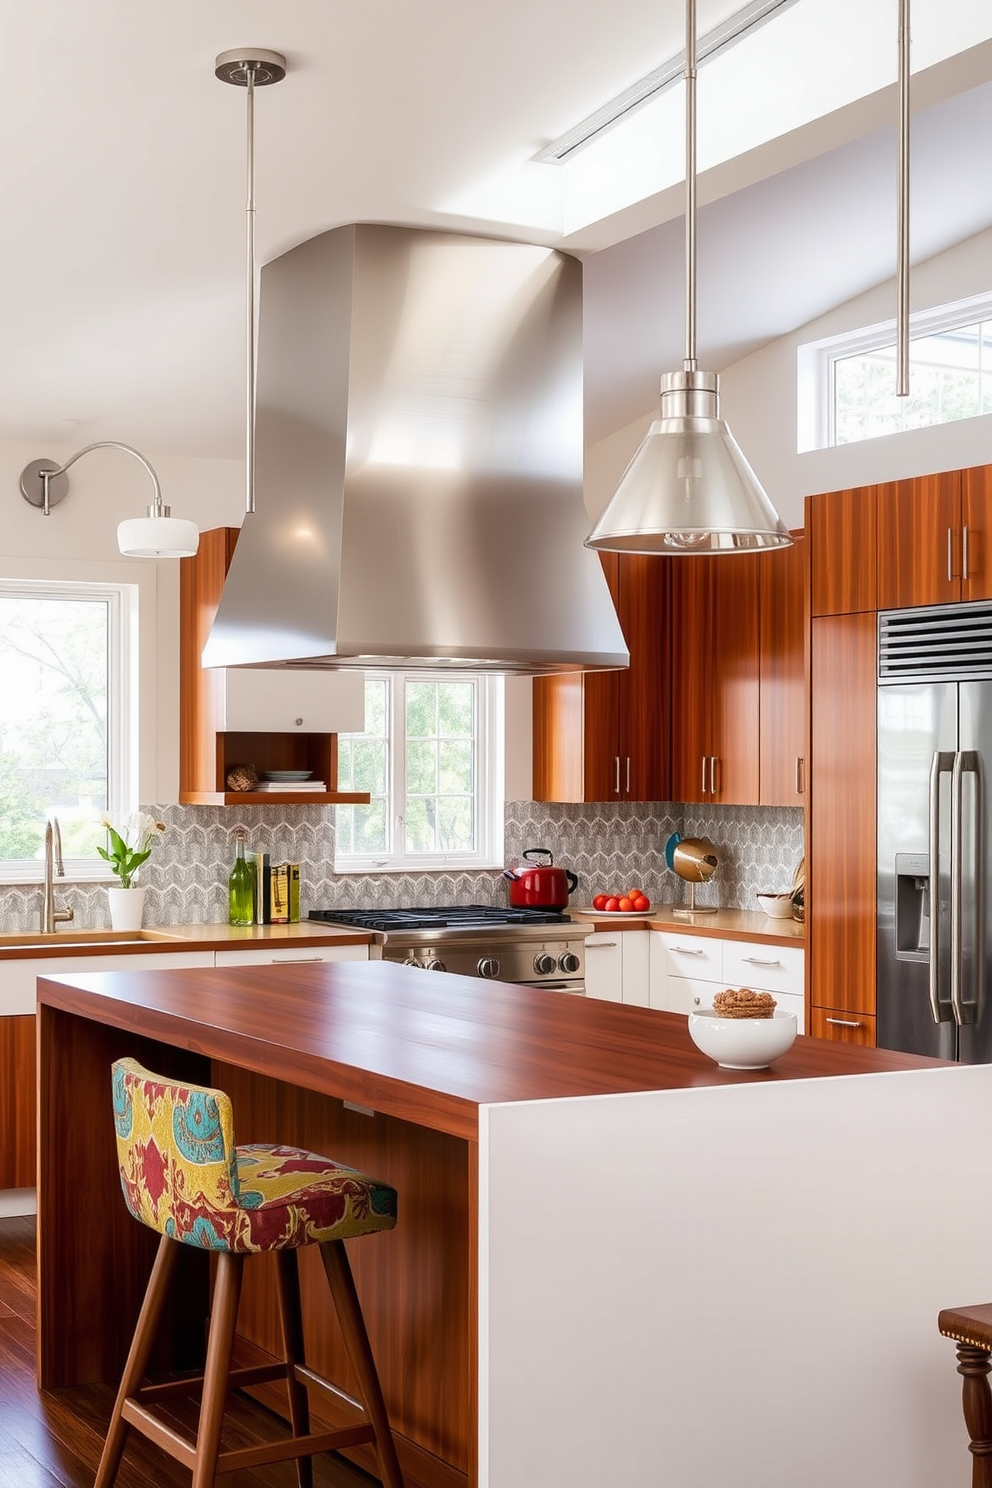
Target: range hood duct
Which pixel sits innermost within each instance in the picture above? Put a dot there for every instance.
(418, 464)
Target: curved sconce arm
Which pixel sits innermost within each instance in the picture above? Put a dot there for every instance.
(159, 535)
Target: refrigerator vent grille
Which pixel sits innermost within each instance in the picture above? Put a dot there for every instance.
(945, 644)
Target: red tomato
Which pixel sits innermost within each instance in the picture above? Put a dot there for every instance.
(612, 904)
(599, 902)
(634, 894)
(641, 903)
(625, 904)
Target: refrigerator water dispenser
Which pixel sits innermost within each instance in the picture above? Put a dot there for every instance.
(912, 906)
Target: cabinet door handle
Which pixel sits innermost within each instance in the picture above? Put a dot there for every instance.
(800, 785)
(702, 791)
(964, 553)
(714, 761)
(628, 775)
(756, 961)
(950, 554)
(844, 1022)
(293, 960)
(599, 945)
(616, 762)
(685, 951)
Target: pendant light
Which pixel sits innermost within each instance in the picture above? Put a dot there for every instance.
(250, 68)
(689, 488)
(902, 211)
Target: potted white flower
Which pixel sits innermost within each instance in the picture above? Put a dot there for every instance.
(128, 847)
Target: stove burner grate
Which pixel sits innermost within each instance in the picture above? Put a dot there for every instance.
(455, 917)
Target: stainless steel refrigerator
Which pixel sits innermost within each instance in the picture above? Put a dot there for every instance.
(934, 745)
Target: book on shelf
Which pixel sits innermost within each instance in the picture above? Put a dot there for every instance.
(263, 875)
(284, 892)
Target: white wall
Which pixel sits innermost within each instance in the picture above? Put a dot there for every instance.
(759, 402)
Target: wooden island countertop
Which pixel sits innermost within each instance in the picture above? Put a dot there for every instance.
(398, 1071)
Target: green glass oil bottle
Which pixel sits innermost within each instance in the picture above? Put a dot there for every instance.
(241, 885)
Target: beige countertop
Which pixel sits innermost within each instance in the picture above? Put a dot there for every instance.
(222, 937)
(725, 924)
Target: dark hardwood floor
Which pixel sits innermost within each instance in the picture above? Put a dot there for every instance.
(54, 1439)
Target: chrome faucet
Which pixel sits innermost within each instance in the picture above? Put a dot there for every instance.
(50, 916)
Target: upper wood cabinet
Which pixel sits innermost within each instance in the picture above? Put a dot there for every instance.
(920, 541)
(604, 736)
(782, 581)
(841, 532)
(715, 679)
(217, 723)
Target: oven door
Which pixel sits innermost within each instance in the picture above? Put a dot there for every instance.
(578, 989)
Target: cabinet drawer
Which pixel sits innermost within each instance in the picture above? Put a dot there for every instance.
(766, 968)
(687, 995)
(845, 1027)
(604, 967)
(278, 955)
(691, 955)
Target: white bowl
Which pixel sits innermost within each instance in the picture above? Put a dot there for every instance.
(776, 906)
(743, 1043)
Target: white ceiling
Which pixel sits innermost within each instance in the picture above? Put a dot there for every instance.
(122, 180)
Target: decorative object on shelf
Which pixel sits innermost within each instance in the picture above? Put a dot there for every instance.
(689, 488)
(158, 535)
(776, 906)
(242, 778)
(799, 893)
(128, 847)
(696, 860)
(743, 1043)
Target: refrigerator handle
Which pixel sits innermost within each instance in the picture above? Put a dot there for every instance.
(942, 763)
(967, 763)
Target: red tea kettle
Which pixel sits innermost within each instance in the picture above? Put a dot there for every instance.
(540, 885)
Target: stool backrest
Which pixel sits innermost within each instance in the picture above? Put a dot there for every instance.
(175, 1147)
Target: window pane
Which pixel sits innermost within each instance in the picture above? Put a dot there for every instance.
(420, 834)
(53, 722)
(455, 772)
(457, 710)
(456, 826)
(421, 709)
(421, 767)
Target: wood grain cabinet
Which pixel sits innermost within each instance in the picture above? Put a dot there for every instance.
(213, 734)
(604, 736)
(841, 530)
(841, 856)
(715, 679)
(933, 539)
(18, 1163)
(782, 579)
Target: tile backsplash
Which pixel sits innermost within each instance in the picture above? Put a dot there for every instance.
(608, 846)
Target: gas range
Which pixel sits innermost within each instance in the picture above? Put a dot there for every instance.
(533, 947)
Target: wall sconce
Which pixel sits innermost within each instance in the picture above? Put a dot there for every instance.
(158, 535)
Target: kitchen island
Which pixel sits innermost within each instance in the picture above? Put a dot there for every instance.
(598, 1227)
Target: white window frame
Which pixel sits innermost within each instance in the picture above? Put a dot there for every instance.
(489, 775)
(816, 362)
(122, 600)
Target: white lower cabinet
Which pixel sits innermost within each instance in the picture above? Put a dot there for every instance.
(18, 978)
(278, 956)
(686, 970)
(617, 966)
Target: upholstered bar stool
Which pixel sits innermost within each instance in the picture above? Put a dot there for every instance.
(971, 1328)
(183, 1176)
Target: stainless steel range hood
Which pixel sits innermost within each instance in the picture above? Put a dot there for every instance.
(418, 463)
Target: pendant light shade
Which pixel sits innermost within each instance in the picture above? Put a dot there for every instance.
(689, 488)
(157, 537)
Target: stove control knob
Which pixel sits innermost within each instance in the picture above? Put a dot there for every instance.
(569, 963)
(411, 961)
(545, 964)
(434, 965)
(488, 967)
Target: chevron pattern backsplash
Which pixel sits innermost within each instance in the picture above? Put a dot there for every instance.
(608, 846)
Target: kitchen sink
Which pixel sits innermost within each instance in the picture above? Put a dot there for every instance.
(81, 939)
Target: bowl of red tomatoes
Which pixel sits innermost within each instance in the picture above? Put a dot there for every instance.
(631, 901)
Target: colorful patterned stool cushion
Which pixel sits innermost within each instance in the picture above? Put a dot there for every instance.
(183, 1175)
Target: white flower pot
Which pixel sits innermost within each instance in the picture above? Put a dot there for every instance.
(126, 908)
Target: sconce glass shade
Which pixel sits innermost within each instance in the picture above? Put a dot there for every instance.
(158, 537)
(688, 488)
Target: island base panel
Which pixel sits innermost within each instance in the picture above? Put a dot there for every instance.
(417, 1283)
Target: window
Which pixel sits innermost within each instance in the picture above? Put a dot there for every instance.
(431, 758)
(851, 379)
(66, 734)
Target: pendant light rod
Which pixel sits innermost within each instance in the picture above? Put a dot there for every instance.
(250, 69)
(689, 364)
(902, 266)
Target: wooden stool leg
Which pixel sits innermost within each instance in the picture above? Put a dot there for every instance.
(976, 1398)
(223, 1316)
(356, 1339)
(156, 1295)
(291, 1317)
